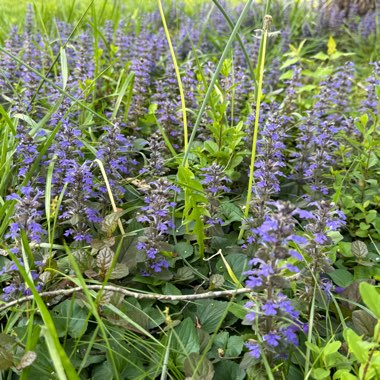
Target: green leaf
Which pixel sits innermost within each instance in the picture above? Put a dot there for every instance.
(344, 374)
(371, 216)
(361, 233)
(121, 93)
(187, 178)
(184, 249)
(364, 119)
(119, 271)
(27, 119)
(70, 318)
(313, 347)
(237, 262)
(287, 75)
(364, 226)
(356, 345)
(289, 62)
(238, 310)
(184, 274)
(221, 340)
(58, 356)
(187, 340)
(228, 370)
(168, 289)
(211, 146)
(361, 272)
(209, 313)
(102, 371)
(331, 348)
(320, 373)
(231, 212)
(321, 56)
(6, 359)
(345, 249)
(342, 277)
(336, 236)
(234, 346)
(307, 88)
(371, 297)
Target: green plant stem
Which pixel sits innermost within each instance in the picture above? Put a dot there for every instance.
(263, 46)
(370, 355)
(310, 334)
(214, 79)
(178, 75)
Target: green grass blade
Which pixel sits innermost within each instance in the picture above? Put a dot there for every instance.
(58, 355)
(76, 101)
(64, 68)
(44, 78)
(241, 43)
(126, 84)
(214, 78)
(94, 310)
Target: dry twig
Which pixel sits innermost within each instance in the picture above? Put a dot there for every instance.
(129, 293)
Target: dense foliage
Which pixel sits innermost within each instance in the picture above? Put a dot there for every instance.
(190, 192)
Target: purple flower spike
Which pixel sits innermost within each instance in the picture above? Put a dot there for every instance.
(157, 215)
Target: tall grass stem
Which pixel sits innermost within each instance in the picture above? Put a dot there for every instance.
(178, 75)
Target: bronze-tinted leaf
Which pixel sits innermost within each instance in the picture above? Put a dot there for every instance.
(109, 223)
(7, 341)
(104, 259)
(364, 323)
(6, 359)
(106, 297)
(84, 260)
(359, 249)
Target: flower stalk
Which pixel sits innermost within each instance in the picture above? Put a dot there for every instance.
(263, 46)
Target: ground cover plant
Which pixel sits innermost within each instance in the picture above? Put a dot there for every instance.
(190, 190)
